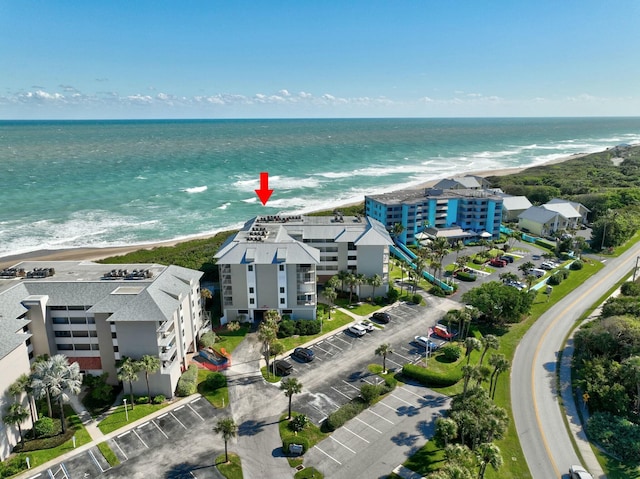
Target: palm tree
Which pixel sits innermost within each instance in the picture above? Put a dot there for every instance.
(457, 247)
(420, 266)
(128, 372)
(361, 279)
(149, 365)
(440, 247)
(15, 415)
(40, 383)
(525, 267)
(446, 431)
(375, 281)
(62, 379)
(23, 385)
(471, 344)
(267, 333)
(290, 386)
(352, 281)
(228, 429)
(530, 279)
(488, 341)
(331, 295)
(333, 282)
(467, 373)
(488, 454)
(397, 230)
(500, 364)
(383, 350)
(481, 374)
(342, 276)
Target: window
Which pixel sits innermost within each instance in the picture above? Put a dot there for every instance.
(252, 301)
(250, 267)
(114, 335)
(81, 334)
(251, 290)
(78, 320)
(116, 349)
(282, 300)
(64, 347)
(76, 308)
(63, 334)
(93, 334)
(281, 289)
(95, 347)
(281, 267)
(60, 320)
(83, 347)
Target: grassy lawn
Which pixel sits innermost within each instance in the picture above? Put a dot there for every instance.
(311, 433)
(308, 473)
(229, 340)
(108, 454)
(616, 469)
(338, 319)
(269, 377)
(38, 457)
(361, 309)
(231, 469)
(429, 458)
(118, 418)
(515, 465)
(218, 398)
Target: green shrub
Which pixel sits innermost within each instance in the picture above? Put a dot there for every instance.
(428, 377)
(452, 352)
(187, 384)
(46, 427)
(369, 392)
(337, 418)
(577, 264)
(215, 381)
(142, 399)
(300, 440)
(286, 328)
(233, 326)
(545, 245)
(159, 399)
(208, 339)
(301, 327)
(617, 434)
(464, 276)
(298, 423)
(478, 260)
(437, 291)
(416, 298)
(557, 277)
(392, 295)
(630, 288)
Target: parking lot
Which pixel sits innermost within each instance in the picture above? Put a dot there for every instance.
(341, 361)
(149, 450)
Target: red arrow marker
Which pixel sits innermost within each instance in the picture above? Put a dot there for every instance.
(264, 193)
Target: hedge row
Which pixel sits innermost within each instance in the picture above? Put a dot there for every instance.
(558, 277)
(301, 327)
(188, 382)
(428, 377)
(464, 276)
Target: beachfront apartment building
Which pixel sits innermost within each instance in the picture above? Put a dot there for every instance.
(277, 262)
(458, 214)
(96, 315)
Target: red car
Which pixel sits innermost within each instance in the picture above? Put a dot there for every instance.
(499, 263)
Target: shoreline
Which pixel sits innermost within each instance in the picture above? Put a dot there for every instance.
(95, 254)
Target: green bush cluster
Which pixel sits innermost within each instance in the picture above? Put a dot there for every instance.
(544, 244)
(558, 277)
(159, 399)
(416, 298)
(617, 434)
(428, 377)
(577, 264)
(464, 276)
(392, 295)
(630, 288)
(46, 427)
(452, 352)
(188, 382)
(12, 466)
(350, 410)
(298, 423)
(142, 399)
(301, 327)
(300, 440)
(436, 291)
(215, 380)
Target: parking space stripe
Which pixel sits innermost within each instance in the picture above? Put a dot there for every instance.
(158, 427)
(120, 449)
(95, 460)
(50, 474)
(375, 413)
(400, 399)
(34, 477)
(334, 346)
(178, 408)
(356, 435)
(196, 399)
(387, 406)
(163, 415)
(323, 350)
(340, 392)
(124, 434)
(330, 457)
(138, 436)
(349, 384)
(393, 362)
(405, 358)
(410, 392)
(174, 417)
(64, 470)
(195, 412)
(368, 425)
(340, 339)
(343, 445)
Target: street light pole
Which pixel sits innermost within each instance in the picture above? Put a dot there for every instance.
(126, 411)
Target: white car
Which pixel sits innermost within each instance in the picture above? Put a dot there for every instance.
(426, 343)
(368, 326)
(579, 472)
(357, 329)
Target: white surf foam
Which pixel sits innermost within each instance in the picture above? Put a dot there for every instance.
(195, 189)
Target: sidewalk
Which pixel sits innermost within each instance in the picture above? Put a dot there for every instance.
(102, 437)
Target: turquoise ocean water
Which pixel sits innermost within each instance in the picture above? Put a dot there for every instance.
(67, 184)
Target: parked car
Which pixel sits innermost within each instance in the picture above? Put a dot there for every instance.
(368, 326)
(357, 329)
(426, 343)
(381, 317)
(499, 263)
(547, 265)
(304, 354)
(282, 367)
(579, 472)
(535, 256)
(442, 331)
(508, 259)
(538, 273)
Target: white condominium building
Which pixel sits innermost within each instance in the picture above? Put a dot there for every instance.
(276, 262)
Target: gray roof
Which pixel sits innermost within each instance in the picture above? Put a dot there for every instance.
(513, 203)
(11, 335)
(575, 204)
(565, 209)
(470, 182)
(537, 214)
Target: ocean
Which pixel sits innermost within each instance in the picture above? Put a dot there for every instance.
(68, 184)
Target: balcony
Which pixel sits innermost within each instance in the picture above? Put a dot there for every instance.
(167, 352)
(166, 339)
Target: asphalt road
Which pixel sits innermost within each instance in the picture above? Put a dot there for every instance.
(534, 396)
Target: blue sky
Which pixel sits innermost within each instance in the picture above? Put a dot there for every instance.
(274, 59)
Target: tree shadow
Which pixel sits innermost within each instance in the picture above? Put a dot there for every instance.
(408, 411)
(432, 401)
(251, 427)
(404, 439)
(185, 470)
(427, 428)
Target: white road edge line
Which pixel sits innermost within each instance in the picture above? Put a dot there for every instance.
(343, 445)
(179, 422)
(381, 417)
(158, 427)
(356, 435)
(368, 425)
(138, 435)
(330, 457)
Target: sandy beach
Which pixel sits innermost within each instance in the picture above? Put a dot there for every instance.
(93, 254)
